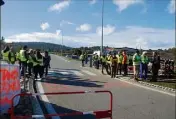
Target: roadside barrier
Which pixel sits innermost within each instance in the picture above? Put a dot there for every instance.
(98, 114)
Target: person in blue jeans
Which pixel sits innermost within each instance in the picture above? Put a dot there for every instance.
(144, 65)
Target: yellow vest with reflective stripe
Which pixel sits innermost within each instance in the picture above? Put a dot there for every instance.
(22, 55)
(5, 55)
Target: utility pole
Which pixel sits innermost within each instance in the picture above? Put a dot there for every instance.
(62, 44)
(102, 27)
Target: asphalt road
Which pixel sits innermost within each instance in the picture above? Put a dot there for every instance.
(129, 101)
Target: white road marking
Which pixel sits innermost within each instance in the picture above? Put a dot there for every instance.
(63, 59)
(145, 87)
(48, 106)
(88, 72)
(77, 73)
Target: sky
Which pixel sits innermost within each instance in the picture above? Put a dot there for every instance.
(149, 24)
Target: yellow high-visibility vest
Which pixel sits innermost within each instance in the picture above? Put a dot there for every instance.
(120, 58)
(22, 55)
(5, 55)
(40, 62)
(12, 57)
(30, 60)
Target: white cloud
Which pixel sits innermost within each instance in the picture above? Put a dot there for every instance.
(171, 7)
(84, 27)
(124, 4)
(66, 22)
(131, 36)
(92, 2)
(44, 26)
(107, 30)
(60, 6)
(58, 32)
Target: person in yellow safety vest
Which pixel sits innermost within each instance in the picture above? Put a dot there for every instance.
(114, 61)
(144, 65)
(38, 65)
(12, 56)
(136, 64)
(119, 66)
(82, 59)
(103, 62)
(6, 54)
(125, 63)
(18, 58)
(23, 59)
(30, 62)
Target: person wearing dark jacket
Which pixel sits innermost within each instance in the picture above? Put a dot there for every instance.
(38, 65)
(46, 62)
(155, 66)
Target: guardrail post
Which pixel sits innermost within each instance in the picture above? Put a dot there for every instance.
(90, 60)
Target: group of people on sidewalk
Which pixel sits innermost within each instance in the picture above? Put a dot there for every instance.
(118, 63)
(30, 61)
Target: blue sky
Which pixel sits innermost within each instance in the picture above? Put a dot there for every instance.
(131, 23)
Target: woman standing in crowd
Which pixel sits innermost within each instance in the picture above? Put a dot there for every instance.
(46, 62)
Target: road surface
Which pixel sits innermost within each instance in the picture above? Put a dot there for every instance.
(129, 101)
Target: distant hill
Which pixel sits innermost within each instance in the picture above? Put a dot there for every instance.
(40, 45)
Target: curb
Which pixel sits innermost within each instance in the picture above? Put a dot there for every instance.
(158, 86)
(37, 110)
(147, 84)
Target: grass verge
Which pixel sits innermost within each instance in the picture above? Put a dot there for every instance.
(165, 83)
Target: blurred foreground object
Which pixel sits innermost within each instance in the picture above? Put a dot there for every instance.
(1, 2)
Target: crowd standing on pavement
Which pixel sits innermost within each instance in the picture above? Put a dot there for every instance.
(30, 61)
(119, 63)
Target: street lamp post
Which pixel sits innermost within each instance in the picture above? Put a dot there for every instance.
(102, 27)
(62, 43)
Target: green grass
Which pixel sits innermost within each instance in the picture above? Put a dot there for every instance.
(169, 84)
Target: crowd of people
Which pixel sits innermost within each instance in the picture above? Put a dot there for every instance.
(30, 61)
(118, 64)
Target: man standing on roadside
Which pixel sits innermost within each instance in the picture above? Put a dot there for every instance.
(114, 61)
(155, 66)
(23, 58)
(136, 64)
(82, 59)
(144, 65)
(103, 63)
(125, 62)
(119, 66)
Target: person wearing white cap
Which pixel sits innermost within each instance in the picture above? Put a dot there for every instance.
(144, 65)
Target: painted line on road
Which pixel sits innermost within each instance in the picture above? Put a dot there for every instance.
(77, 73)
(47, 104)
(88, 72)
(145, 87)
(64, 59)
